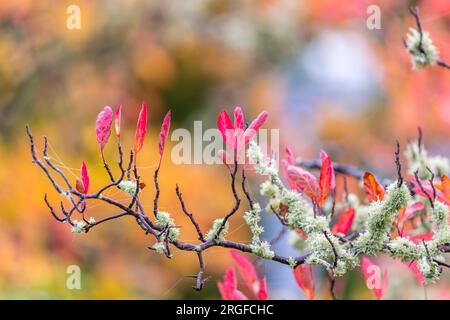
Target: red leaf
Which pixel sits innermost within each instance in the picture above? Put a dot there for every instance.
(305, 182)
(141, 129)
(165, 127)
(374, 280)
(415, 269)
(290, 160)
(406, 213)
(290, 156)
(238, 295)
(262, 294)
(445, 182)
(426, 236)
(303, 276)
(247, 271)
(84, 178)
(227, 288)
(230, 278)
(344, 222)
(239, 127)
(117, 120)
(327, 180)
(238, 118)
(103, 126)
(226, 128)
(254, 126)
(374, 191)
(427, 187)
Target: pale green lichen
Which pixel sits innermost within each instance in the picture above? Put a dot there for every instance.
(269, 190)
(261, 164)
(91, 220)
(419, 161)
(164, 220)
(292, 262)
(361, 215)
(439, 215)
(262, 249)
(380, 218)
(373, 221)
(159, 247)
(299, 214)
(322, 253)
(405, 249)
(212, 233)
(252, 218)
(78, 226)
(421, 49)
(128, 186)
(429, 269)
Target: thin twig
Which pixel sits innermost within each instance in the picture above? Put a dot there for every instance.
(334, 250)
(189, 214)
(399, 166)
(346, 170)
(430, 199)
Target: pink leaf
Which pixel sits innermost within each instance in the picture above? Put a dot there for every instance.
(238, 295)
(117, 120)
(141, 129)
(226, 128)
(304, 278)
(247, 271)
(230, 278)
(290, 156)
(103, 126)
(344, 222)
(374, 280)
(305, 182)
(228, 289)
(85, 177)
(290, 160)
(327, 180)
(228, 285)
(238, 118)
(415, 269)
(254, 126)
(165, 127)
(409, 212)
(427, 236)
(262, 294)
(428, 189)
(239, 129)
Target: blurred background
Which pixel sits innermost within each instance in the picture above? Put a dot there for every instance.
(326, 80)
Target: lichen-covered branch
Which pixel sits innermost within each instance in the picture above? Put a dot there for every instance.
(372, 229)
